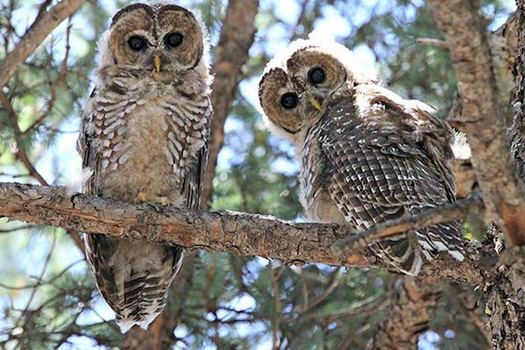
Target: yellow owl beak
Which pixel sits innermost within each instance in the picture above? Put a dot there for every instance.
(316, 104)
(156, 61)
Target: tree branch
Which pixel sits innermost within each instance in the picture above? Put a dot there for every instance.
(23, 157)
(437, 43)
(231, 54)
(391, 228)
(244, 234)
(460, 22)
(35, 35)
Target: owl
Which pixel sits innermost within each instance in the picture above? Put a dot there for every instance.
(144, 139)
(366, 154)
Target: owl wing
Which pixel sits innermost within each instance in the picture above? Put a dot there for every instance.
(86, 149)
(99, 248)
(194, 178)
(381, 172)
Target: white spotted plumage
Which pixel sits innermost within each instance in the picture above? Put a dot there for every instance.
(366, 154)
(144, 139)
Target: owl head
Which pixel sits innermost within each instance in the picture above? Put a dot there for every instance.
(300, 83)
(161, 37)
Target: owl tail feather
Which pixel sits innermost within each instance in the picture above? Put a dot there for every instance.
(125, 324)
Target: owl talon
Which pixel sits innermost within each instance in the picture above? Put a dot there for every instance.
(163, 201)
(141, 197)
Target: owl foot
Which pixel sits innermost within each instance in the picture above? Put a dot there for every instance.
(141, 197)
(164, 201)
(144, 198)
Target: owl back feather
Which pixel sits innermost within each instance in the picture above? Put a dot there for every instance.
(385, 164)
(367, 155)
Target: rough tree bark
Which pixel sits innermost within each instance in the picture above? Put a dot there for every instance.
(467, 38)
(244, 234)
(409, 314)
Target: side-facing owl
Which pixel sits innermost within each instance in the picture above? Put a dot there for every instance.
(144, 140)
(366, 154)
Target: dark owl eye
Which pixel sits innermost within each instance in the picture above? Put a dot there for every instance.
(289, 100)
(173, 40)
(137, 43)
(316, 75)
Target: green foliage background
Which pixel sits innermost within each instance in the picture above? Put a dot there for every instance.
(47, 296)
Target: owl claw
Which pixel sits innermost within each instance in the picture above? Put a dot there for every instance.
(141, 197)
(164, 201)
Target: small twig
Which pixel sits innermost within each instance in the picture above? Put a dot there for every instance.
(277, 308)
(440, 44)
(299, 21)
(332, 285)
(54, 85)
(21, 153)
(392, 228)
(41, 275)
(35, 35)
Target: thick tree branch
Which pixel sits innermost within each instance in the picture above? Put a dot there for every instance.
(231, 54)
(35, 35)
(244, 234)
(460, 22)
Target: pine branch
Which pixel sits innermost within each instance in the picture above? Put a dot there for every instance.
(244, 234)
(44, 24)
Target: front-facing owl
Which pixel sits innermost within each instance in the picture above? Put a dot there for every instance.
(366, 154)
(144, 139)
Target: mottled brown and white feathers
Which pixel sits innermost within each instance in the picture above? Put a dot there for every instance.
(366, 154)
(144, 139)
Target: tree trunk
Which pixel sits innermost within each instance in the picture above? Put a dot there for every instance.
(505, 295)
